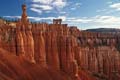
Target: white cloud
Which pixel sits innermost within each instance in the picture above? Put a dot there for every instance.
(78, 4)
(42, 1)
(47, 18)
(107, 20)
(62, 17)
(88, 22)
(75, 6)
(12, 17)
(115, 6)
(43, 7)
(59, 3)
(48, 5)
(38, 18)
(54, 3)
(36, 10)
(63, 12)
(111, 8)
(41, 18)
(47, 11)
(78, 20)
(101, 10)
(95, 22)
(99, 20)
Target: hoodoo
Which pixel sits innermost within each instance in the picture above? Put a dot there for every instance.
(25, 36)
(58, 52)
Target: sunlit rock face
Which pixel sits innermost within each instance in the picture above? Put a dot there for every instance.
(57, 51)
(99, 54)
(24, 37)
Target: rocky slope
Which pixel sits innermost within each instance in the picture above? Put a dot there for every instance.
(18, 68)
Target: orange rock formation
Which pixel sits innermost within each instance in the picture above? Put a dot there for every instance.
(57, 51)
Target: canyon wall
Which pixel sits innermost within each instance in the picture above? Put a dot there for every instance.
(79, 54)
(65, 48)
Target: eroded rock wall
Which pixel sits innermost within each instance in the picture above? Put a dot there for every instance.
(66, 49)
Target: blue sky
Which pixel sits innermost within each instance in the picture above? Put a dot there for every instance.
(84, 14)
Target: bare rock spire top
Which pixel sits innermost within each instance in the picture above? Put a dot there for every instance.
(24, 14)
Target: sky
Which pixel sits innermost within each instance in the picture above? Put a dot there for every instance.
(85, 14)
